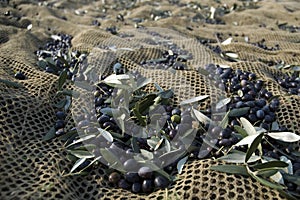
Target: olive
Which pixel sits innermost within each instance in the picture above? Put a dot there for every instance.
(147, 186)
(161, 182)
(103, 118)
(225, 142)
(252, 118)
(20, 76)
(260, 103)
(99, 101)
(108, 125)
(296, 166)
(60, 115)
(132, 177)
(49, 70)
(145, 172)
(97, 93)
(176, 118)
(60, 132)
(266, 108)
(268, 95)
(136, 187)
(233, 139)
(252, 76)
(59, 124)
(268, 119)
(260, 114)
(265, 126)
(114, 177)
(240, 104)
(250, 104)
(253, 110)
(176, 111)
(234, 123)
(225, 133)
(172, 133)
(216, 130)
(131, 165)
(124, 184)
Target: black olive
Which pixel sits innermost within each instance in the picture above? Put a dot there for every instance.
(132, 177)
(147, 186)
(161, 182)
(20, 76)
(60, 115)
(252, 118)
(225, 142)
(136, 187)
(131, 165)
(225, 133)
(145, 172)
(59, 124)
(124, 184)
(103, 118)
(260, 114)
(260, 103)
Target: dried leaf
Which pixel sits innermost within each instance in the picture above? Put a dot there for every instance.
(257, 140)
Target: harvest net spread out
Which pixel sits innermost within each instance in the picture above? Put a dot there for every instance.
(264, 34)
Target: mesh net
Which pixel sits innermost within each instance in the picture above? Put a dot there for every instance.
(32, 169)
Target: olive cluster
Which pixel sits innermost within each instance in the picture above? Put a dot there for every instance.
(291, 83)
(145, 180)
(175, 57)
(60, 123)
(58, 51)
(262, 44)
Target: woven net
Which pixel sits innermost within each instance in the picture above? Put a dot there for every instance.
(33, 169)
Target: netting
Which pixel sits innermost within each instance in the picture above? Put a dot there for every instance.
(33, 169)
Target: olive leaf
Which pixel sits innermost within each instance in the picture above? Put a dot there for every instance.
(257, 140)
(112, 159)
(147, 154)
(246, 140)
(158, 87)
(142, 82)
(238, 157)
(62, 79)
(270, 164)
(181, 163)
(82, 139)
(264, 181)
(60, 104)
(237, 112)
(106, 135)
(10, 83)
(77, 164)
(225, 120)
(203, 71)
(201, 117)
(284, 136)
(135, 147)
(81, 153)
(249, 128)
(231, 169)
(50, 134)
(222, 103)
(240, 130)
(194, 99)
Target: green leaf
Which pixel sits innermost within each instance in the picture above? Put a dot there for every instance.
(181, 163)
(253, 146)
(238, 157)
(271, 164)
(292, 178)
(246, 140)
(166, 94)
(107, 110)
(81, 154)
(62, 79)
(240, 130)
(223, 103)
(249, 128)
(106, 135)
(264, 181)
(201, 117)
(231, 169)
(225, 120)
(237, 112)
(284, 136)
(266, 173)
(158, 87)
(134, 145)
(10, 83)
(203, 71)
(61, 104)
(147, 154)
(157, 169)
(82, 139)
(71, 93)
(194, 99)
(142, 82)
(77, 164)
(50, 135)
(112, 159)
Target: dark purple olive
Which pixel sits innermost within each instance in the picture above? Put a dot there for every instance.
(124, 184)
(114, 177)
(103, 118)
(225, 133)
(268, 95)
(59, 124)
(132, 177)
(131, 165)
(147, 186)
(260, 103)
(240, 104)
(265, 126)
(268, 119)
(252, 118)
(252, 76)
(60, 115)
(266, 108)
(172, 133)
(224, 142)
(260, 114)
(176, 111)
(136, 187)
(161, 182)
(20, 76)
(145, 172)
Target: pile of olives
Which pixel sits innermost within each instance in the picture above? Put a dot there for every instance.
(291, 84)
